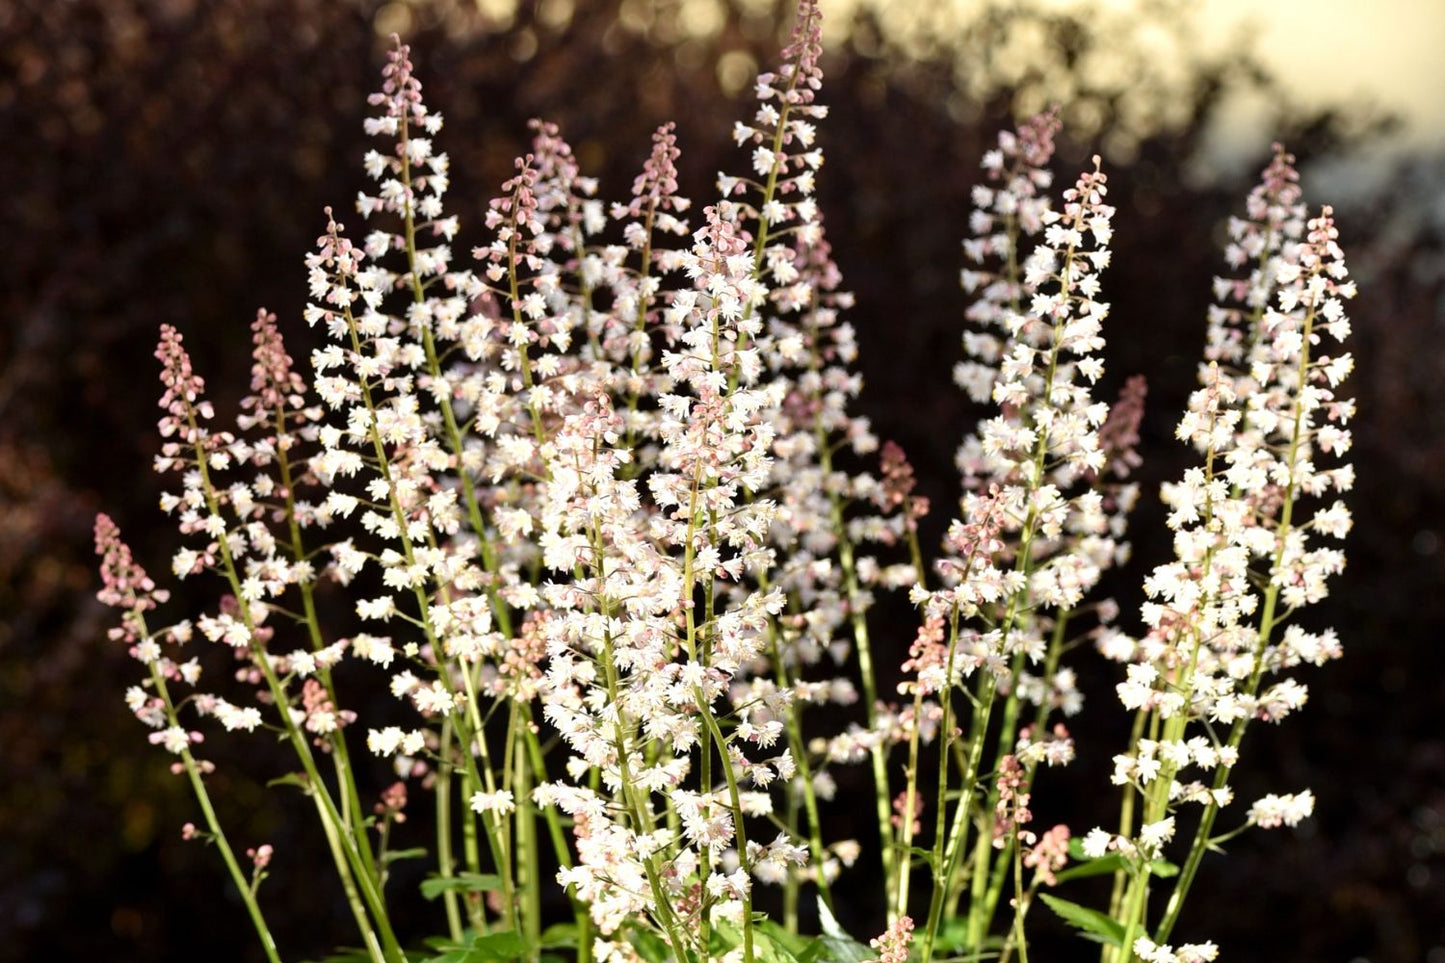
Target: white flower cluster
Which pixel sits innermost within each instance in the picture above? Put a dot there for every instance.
(1248, 527)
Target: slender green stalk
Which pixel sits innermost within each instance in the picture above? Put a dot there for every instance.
(799, 747)
(213, 824)
(341, 758)
(445, 859)
(988, 882)
(1126, 824)
(634, 807)
(877, 757)
(1021, 906)
(357, 851)
(1268, 620)
(529, 874)
(735, 798)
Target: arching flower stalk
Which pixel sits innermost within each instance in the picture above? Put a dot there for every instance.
(125, 585)
(636, 671)
(234, 520)
(1011, 208)
(1244, 526)
(1047, 372)
(806, 348)
(649, 220)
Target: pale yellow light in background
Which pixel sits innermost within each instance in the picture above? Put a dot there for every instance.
(1389, 53)
(1385, 51)
(702, 18)
(1382, 52)
(735, 71)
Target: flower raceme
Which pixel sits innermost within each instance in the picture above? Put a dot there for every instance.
(589, 500)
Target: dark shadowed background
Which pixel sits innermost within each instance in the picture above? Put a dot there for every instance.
(167, 161)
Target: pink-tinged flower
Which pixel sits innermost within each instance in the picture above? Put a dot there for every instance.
(182, 398)
(903, 810)
(1267, 422)
(1119, 434)
(897, 484)
(1011, 813)
(1008, 211)
(124, 583)
(1034, 337)
(927, 658)
(277, 392)
(392, 804)
(261, 856)
(893, 945)
(400, 95)
(655, 189)
(1049, 855)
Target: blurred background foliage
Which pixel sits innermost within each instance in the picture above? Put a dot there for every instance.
(167, 161)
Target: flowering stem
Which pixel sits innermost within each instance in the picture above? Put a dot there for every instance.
(445, 859)
(473, 736)
(735, 798)
(1021, 906)
(1267, 623)
(213, 825)
(858, 618)
(983, 903)
(358, 850)
(910, 807)
(946, 857)
(769, 191)
(805, 774)
(634, 807)
(351, 803)
(529, 876)
(1126, 824)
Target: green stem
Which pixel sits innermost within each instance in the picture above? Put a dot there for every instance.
(357, 852)
(445, 859)
(213, 824)
(987, 883)
(351, 804)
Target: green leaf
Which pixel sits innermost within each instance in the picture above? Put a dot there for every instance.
(293, 779)
(802, 949)
(1091, 867)
(952, 935)
(347, 954)
(771, 943)
(649, 945)
(792, 941)
(560, 936)
(770, 950)
(840, 946)
(1105, 928)
(450, 956)
(1108, 863)
(434, 886)
(813, 951)
(396, 855)
(1163, 869)
(499, 946)
(487, 949)
(722, 937)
